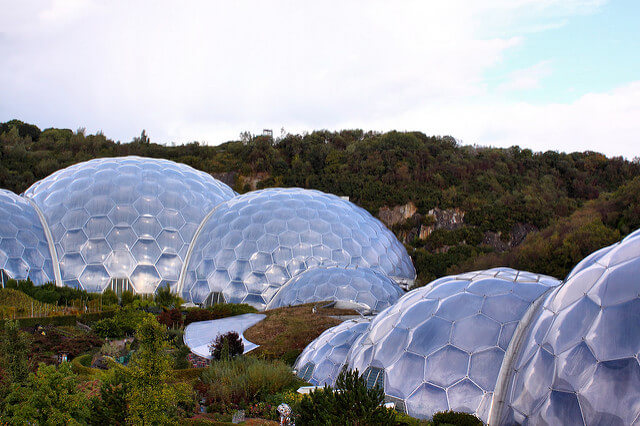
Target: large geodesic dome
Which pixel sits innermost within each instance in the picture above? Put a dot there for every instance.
(441, 347)
(321, 361)
(357, 288)
(124, 222)
(253, 244)
(578, 360)
(24, 250)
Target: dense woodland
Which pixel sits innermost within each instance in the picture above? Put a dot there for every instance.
(567, 204)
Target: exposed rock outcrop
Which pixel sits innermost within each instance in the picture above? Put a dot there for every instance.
(397, 214)
(518, 233)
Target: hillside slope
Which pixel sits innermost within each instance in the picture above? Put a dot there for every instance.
(14, 303)
(450, 204)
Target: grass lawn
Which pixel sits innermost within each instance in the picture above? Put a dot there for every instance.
(287, 331)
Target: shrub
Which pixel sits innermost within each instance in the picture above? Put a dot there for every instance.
(166, 299)
(123, 323)
(455, 418)
(49, 396)
(111, 349)
(245, 380)
(109, 297)
(180, 358)
(170, 317)
(353, 404)
(291, 356)
(226, 346)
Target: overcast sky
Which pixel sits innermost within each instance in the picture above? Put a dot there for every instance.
(543, 74)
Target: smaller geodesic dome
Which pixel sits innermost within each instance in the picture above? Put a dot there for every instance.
(578, 360)
(361, 288)
(441, 347)
(24, 250)
(251, 245)
(321, 361)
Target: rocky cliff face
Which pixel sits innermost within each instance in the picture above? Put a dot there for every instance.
(449, 219)
(515, 237)
(397, 214)
(408, 225)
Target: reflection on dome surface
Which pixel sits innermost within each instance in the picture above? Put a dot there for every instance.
(578, 363)
(253, 244)
(360, 289)
(128, 217)
(440, 347)
(24, 250)
(321, 361)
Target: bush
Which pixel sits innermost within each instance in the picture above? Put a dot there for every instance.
(455, 418)
(109, 297)
(166, 299)
(112, 349)
(123, 323)
(82, 366)
(291, 356)
(353, 404)
(226, 346)
(170, 318)
(244, 380)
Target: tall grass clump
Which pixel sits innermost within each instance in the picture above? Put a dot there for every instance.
(242, 380)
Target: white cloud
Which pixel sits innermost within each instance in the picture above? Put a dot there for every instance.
(206, 71)
(603, 122)
(527, 78)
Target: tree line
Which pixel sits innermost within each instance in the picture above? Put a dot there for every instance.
(497, 188)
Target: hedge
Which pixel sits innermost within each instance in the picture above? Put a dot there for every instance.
(78, 365)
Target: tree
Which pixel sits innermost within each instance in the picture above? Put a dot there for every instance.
(170, 317)
(166, 299)
(151, 397)
(109, 297)
(226, 346)
(142, 139)
(15, 346)
(50, 396)
(126, 298)
(110, 406)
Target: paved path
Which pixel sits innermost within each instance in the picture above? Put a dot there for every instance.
(199, 335)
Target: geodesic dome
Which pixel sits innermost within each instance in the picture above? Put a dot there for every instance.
(362, 287)
(128, 219)
(578, 360)
(253, 244)
(441, 347)
(24, 250)
(321, 361)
